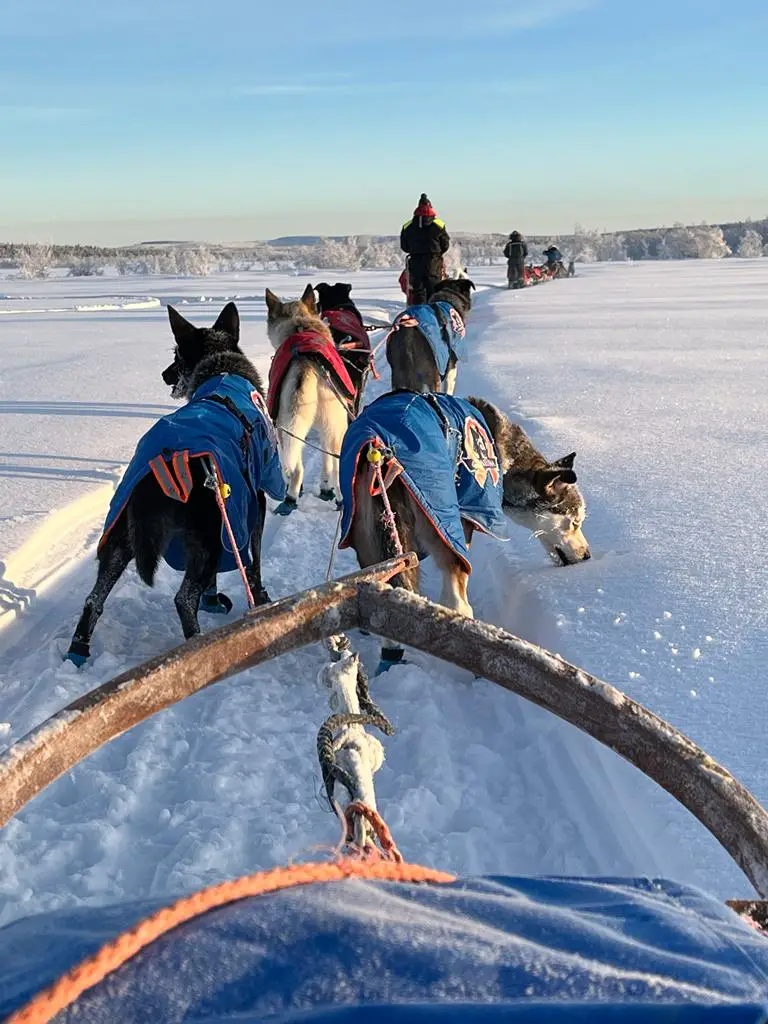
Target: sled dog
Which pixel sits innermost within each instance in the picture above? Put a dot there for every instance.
(348, 331)
(451, 467)
(165, 506)
(309, 385)
(426, 342)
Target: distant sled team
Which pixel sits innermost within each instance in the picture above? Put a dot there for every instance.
(448, 466)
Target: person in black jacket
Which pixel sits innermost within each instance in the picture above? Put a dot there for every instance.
(516, 250)
(425, 239)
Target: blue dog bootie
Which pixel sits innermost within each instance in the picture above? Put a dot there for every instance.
(215, 603)
(286, 506)
(390, 656)
(78, 653)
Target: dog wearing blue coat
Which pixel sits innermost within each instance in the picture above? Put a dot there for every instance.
(166, 506)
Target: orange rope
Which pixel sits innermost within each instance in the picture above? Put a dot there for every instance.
(46, 1004)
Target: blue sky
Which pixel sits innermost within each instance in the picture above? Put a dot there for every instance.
(245, 119)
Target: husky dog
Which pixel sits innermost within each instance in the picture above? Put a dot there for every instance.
(348, 331)
(450, 467)
(418, 351)
(165, 505)
(539, 495)
(308, 386)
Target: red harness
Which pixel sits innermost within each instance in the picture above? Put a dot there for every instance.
(324, 352)
(345, 322)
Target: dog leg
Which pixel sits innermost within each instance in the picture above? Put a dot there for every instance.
(449, 385)
(455, 578)
(113, 559)
(202, 560)
(332, 420)
(297, 412)
(253, 572)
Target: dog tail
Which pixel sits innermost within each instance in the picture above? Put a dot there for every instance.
(149, 536)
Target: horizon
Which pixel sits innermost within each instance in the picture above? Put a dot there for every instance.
(255, 124)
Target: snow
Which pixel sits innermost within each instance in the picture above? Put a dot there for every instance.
(654, 373)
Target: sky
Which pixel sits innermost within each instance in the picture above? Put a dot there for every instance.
(246, 119)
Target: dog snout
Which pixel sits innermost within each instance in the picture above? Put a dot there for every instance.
(587, 555)
(171, 375)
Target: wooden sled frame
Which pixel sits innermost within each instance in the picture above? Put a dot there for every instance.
(364, 600)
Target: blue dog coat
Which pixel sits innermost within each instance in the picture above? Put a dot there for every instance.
(226, 418)
(448, 460)
(442, 327)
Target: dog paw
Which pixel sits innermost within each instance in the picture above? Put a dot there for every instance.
(286, 506)
(390, 656)
(327, 494)
(261, 597)
(215, 604)
(78, 653)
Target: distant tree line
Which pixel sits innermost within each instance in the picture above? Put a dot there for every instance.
(746, 239)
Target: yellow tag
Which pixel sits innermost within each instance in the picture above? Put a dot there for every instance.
(225, 490)
(374, 456)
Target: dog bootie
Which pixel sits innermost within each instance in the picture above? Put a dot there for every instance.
(286, 506)
(215, 603)
(390, 656)
(78, 653)
(327, 494)
(261, 597)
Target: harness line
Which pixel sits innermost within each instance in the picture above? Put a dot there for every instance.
(222, 491)
(375, 460)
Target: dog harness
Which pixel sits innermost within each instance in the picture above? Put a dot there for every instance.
(326, 359)
(442, 450)
(443, 328)
(227, 420)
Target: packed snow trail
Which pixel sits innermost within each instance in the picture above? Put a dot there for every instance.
(476, 780)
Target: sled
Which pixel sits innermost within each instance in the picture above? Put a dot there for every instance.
(365, 600)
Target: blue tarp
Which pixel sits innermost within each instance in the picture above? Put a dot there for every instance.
(444, 337)
(204, 426)
(452, 477)
(482, 949)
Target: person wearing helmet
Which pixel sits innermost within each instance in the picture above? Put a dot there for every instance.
(515, 251)
(425, 239)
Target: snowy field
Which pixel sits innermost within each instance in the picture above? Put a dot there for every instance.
(654, 373)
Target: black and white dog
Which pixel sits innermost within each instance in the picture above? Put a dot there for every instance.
(166, 505)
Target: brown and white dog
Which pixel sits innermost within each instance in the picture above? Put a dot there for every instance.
(309, 390)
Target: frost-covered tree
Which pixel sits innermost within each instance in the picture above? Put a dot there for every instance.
(35, 261)
(751, 245)
(86, 266)
(194, 262)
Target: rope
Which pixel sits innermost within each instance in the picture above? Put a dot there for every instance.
(374, 458)
(334, 548)
(309, 444)
(221, 490)
(46, 1004)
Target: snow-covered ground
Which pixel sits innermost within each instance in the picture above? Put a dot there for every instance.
(654, 373)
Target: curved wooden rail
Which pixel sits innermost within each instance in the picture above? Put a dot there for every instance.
(94, 719)
(659, 750)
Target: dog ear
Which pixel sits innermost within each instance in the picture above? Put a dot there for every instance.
(308, 299)
(182, 329)
(347, 288)
(565, 463)
(467, 285)
(547, 478)
(274, 305)
(228, 321)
